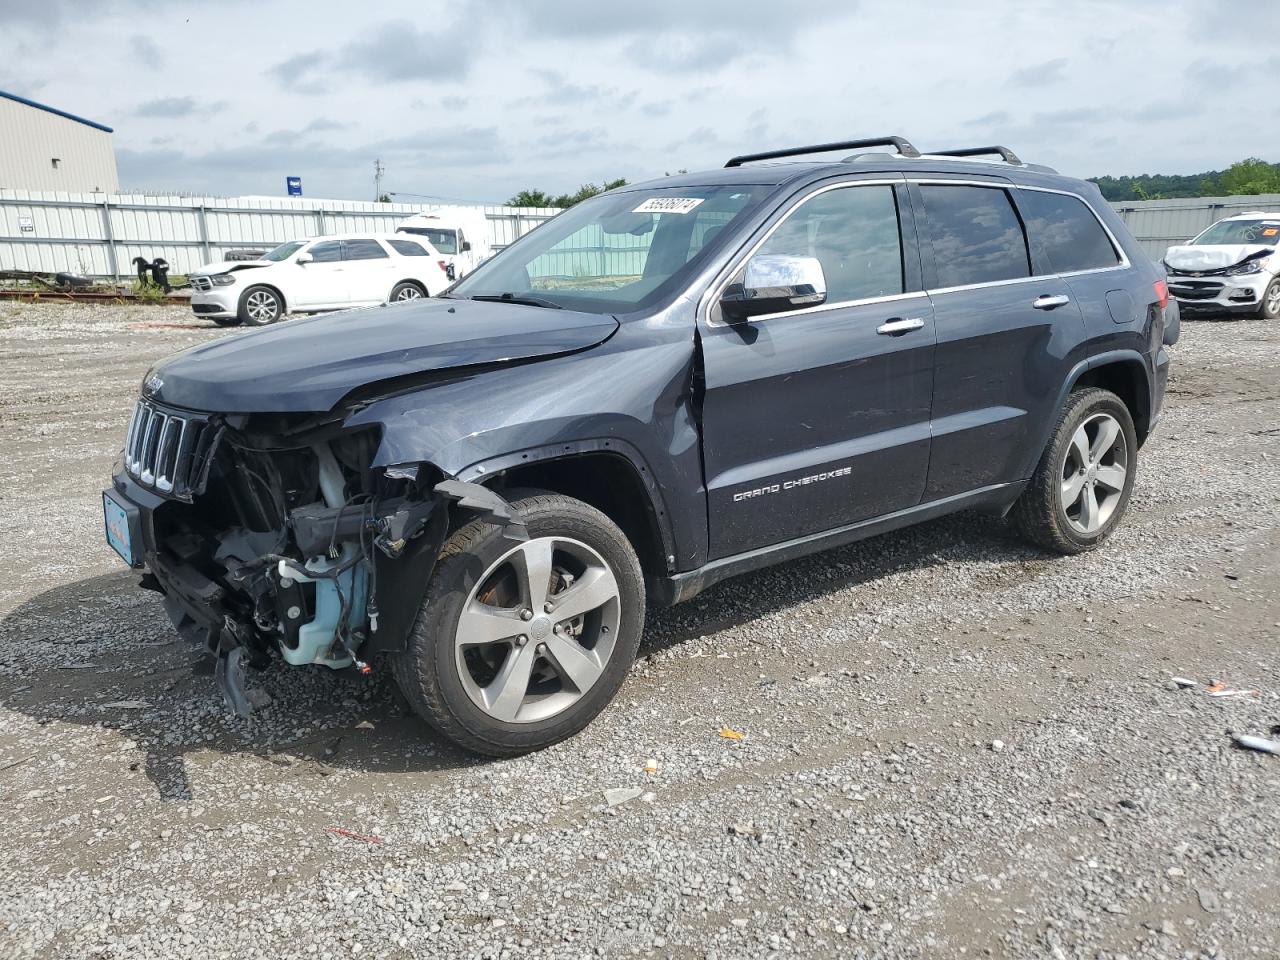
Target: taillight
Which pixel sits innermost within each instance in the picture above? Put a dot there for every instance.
(1162, 293)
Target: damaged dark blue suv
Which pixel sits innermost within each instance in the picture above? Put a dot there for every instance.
(664, 386)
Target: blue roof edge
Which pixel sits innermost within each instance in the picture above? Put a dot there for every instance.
(49, 109)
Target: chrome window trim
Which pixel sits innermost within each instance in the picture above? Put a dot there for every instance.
(716, 289)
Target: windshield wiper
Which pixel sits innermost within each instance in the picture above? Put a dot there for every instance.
(517, 298)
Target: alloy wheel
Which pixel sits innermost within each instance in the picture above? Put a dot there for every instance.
(537, 630)
(261, 306)
(408, 293)
(1094, 473)
(1272, 304)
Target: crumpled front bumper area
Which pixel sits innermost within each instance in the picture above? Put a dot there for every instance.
(301, 553)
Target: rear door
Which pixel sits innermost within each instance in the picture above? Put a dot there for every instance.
(370, 271)
(1070, 240)
(320, 282)
(1006, 337)
(819, 417)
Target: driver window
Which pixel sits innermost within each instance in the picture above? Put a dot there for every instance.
(854, 234)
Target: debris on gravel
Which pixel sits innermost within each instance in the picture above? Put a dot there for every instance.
(954, 745)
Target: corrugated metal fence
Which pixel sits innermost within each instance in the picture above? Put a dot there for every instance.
(1159, 224)
(97, 234)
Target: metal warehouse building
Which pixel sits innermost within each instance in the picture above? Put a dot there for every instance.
(43, 148)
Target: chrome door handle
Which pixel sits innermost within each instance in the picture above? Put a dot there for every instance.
(898, 326)
(1049, 301)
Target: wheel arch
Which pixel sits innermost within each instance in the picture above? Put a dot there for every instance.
(413, 282)
(610, 475)
(1124, 374)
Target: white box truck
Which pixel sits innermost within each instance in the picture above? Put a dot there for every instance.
(460, 236)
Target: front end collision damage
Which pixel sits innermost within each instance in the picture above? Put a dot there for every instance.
(295, 546)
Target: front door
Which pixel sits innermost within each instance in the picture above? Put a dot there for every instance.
(819, 417)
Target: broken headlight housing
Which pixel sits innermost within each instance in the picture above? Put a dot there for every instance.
(1249, 266)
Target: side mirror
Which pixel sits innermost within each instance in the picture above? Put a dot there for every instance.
(303, 259)
(466, 246)
(773, 283)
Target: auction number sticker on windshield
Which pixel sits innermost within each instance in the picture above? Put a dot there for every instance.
(668, 205)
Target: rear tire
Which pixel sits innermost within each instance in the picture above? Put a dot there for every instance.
(492, 662)
(1081, 487)
(1271, 301)
(260, 306)
(405, 291)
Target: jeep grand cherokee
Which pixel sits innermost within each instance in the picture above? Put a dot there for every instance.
(666, 385)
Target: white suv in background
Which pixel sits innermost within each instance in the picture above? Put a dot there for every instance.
(1230, 268)
(321, 273)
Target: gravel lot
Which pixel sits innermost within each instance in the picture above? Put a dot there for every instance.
(954, 745)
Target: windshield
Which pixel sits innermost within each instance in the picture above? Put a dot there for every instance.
(284, 251)
(1241, 231)
(445, 241)
(615, 253)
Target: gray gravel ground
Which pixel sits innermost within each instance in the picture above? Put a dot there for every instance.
(954, 745)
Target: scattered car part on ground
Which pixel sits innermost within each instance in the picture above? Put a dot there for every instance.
(491, 487)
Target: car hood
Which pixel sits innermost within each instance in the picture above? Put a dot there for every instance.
(1212, 256)
(309, 364)
(226, 266)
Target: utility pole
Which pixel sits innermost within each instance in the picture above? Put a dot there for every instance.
(378, 171)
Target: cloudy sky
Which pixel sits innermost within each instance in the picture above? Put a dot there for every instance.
(475, 99)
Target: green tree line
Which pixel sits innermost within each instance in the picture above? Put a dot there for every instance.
(540, 198)
(1249, 176)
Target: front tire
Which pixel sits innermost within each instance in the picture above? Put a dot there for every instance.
(1271, 301)
(260, 306)
(520, 644)
(1082, 485)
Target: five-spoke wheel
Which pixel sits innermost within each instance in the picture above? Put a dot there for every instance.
(1094, 473)
(1082, 484)
(520, 643)
(538, 629)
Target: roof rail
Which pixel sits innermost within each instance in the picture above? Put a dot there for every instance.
(1005, 154)
(899, 143)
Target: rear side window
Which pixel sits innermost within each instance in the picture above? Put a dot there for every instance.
(364, 250)
(1067, 231)
(328, 252)
(853, 232)
(976, 234)
(407, 248)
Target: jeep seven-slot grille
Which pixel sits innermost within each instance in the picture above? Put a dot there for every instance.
(165, 450)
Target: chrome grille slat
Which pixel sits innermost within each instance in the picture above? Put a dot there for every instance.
(162, 448)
